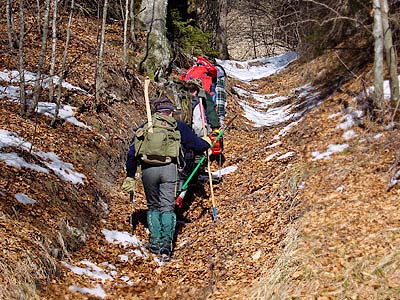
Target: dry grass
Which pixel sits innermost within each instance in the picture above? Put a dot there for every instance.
(296, 275)
(273, 284)
(19, 279)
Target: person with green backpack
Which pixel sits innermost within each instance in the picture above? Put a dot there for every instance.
(159, 150)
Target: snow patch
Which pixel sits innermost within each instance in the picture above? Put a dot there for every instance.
(96, 291)
(286, 155)
(225, 171)
(271, 156)
(66, 112)
(333, 148)
(274, 145)
(24, 199)
(349, 134)
(123, 257)
(30, 78)
(286, 129)
(13, 160)
(96, 273)
(120, 237)
(63, 170)
(256, 68)
(13, 92)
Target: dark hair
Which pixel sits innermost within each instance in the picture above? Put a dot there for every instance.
(192, 86)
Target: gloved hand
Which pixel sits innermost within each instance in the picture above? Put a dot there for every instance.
(207, 139)
(128, 185)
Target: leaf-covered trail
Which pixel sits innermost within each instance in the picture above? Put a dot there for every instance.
(211, 260)
(345, 222)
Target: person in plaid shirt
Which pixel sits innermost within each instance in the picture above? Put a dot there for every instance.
(220, 100)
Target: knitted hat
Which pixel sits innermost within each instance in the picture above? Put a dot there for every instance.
(163, 104)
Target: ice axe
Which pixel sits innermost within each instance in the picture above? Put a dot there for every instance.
(179, 199)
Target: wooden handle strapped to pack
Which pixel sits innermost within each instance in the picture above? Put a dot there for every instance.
(147, 101)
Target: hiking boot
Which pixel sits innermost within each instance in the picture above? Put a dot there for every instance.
(166, 249)
(154, 226)
(153, 247)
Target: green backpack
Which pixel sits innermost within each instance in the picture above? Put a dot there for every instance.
(161, 146)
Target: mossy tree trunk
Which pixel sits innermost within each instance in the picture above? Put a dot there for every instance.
(158, 50)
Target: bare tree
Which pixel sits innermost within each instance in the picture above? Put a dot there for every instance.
(125, 43)
(132, 20)
(99, 65)
(390, 52)
(10, 28)
(21, 63)
(264, 27)
(38, 17)
(53, 50)
(42, 55)
(64, 61)
(378, 59)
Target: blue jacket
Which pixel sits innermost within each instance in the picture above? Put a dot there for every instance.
(189, 141)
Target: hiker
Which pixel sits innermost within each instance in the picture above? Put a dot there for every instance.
(199, 94)
(220, 95)
(159, 170)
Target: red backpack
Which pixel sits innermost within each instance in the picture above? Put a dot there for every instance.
(204, 71)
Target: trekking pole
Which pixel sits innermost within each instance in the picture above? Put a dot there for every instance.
(179, 199)
(203, 121)
(147, 101)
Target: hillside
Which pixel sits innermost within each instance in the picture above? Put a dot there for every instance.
(309, 213)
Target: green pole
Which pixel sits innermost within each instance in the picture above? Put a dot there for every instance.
(204, 156)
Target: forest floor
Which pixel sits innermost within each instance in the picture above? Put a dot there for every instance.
(333, 222)
(289, 227)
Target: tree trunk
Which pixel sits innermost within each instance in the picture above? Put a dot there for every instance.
(221, 40)
(253, 37)
(53, 51)
(158, 50)
(64, 61)
(390, 52)
(378, 59)
(99, 67)
(132, 20)
(124, 54)
(38, 82)
(21, 63)
(10, 29)
(38, 17)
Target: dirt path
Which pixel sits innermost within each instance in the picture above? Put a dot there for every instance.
(337, 210)
(211, 260)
